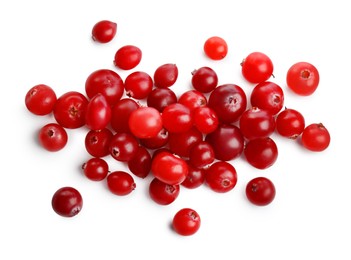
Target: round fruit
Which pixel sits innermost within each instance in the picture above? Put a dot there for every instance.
(53, 137)
(260, 191)
(216, 48)
(67, 202)
(315, 137)
(303, 78)
(257, 67)
(127, 57)
(40, 100)
(104, 31)
(186, 222)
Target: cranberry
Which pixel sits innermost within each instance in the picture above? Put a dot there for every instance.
(67, 202)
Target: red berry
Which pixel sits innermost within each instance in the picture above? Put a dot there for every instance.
(120, 183)
(177, 118)
(261, 152)
(204, 79)
(260, 191)
(53, 137)
(303, 78)
(216, 48)
(40, 100)
(127, 57)
(67, 202)
(140, 164)
(104, 31)
(123, 147)
(95, 169)
(315, 137)
(221, 177)
(98, 113)
(290, 123)
(165, 75)
(257, 67)
(163, 193)
(186, 222)
(121, 112)
(97, 142)
(138, 85)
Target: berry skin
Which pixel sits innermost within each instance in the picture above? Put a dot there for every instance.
(40, 100)
(53, 137)
(221, 177)
(204, 79)
(95, 169)
(98, 113)
(127, 57)
(315, 137)
(165, 75)
(67, 202)
(216, 48)
(260, 191)
(303, 78)
(163, 193)
(186, 222)
(104, 31)
(257, 67)
(261, 153)
(120, 183)
(290, 123)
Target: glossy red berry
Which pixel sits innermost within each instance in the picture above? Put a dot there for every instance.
(53, 137)
(97, 142)
(315, 137)
(138, 85)
(261, 153)
(104, 31)
(169, 168)
(140, 164)
(40, 100)
(204, 79)
(120, 183)
(228, 101)
(216, 48)
(303, 78)
(98, 113)
(186, 222)
(257, 67)
(181, 143)
(67, 202)
(290, 123)
(159, 98)
(201, 154)
(227, 142)
(177, 118)
(95, 169)
(123, 146)
(260, 191)
(163, 193)
(107, 82)
(205, 119)
(121, 112)
(256, 123)
(127, 57)
(221, 177)
(165, 75)
(267, 96)
(145, 122)
(195, 177)
(70, 109)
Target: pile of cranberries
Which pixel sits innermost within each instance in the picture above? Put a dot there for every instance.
(186, 140)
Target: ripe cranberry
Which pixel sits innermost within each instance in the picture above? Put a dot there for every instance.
(290, 123)
(177, 118)
(120, 183)
(163, 193)
(256, 123)
(169, 168)
(156, 142)
(201, 154)
(192, 99)
(70, 109)
(261, 152)
(195, 177)
(166, 75)
(123, 147)
(227, 142)
(257, 67)
(181, 143)
(221, 177)
(159, 98)
(120, 114)
(186, 222)
(267, 96)
(138, 85)
(95, 169)
(53, 137)
(97, 142)
(315, 137)
(127, 57)
(205, 119)
(40, 100)
(104, 31)
(107, 82)
(260, 191)
(98, 113)
(67, 202)
(145, 122)
(204, 79)
(140, 164)
(228, 101)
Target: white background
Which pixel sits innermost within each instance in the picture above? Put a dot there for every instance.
(49, 42)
